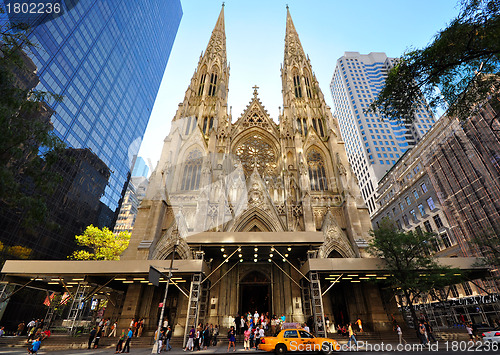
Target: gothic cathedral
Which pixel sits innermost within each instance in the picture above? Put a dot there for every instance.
(270, 210)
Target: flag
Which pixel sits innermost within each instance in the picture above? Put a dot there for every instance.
(65, 298)
(49, 299)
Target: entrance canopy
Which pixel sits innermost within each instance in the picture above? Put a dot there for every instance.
(58, 275)
(359, 269)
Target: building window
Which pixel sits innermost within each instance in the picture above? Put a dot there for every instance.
(202, 84)
(415, 193)
(296, 86)
(430, 203)
(213, 85)
(318, 126)
(438, 221)
(446, 239)
(414, 215)
(317, 174)
(424, 188)
(405, 219)
(421, 209)
(408, 200)
(308, 87)
(418, 230)
(398, 223)
(467, 289)
(192, 171)
(428, 227)
(402, 207)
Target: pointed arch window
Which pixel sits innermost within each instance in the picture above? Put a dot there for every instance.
(213, 85)
(296, 85)
(192, 171)
(208, 123)
(308, 87)
(202, 84)
(302, 126)
(191, 122)
(317, 171)
(318, 126)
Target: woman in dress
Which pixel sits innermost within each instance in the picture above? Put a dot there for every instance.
(232, 339)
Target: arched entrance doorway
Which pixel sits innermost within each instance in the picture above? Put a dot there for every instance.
(255, 293)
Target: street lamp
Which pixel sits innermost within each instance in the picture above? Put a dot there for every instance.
(160, 321)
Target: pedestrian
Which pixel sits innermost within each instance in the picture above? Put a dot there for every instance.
(190, 343)
(273, 326)
(107, 323)
(257, 337)
(206, 337)
(400, 333)
(161, 337)
(130, 334)
(428, 329)
(91, 337)
(119, 345)
(141, 327)
(469, 330)
(97, 337)
(246, 339)
(112, 333)
(282, 318)
(35, 346)
(422, 334)
(360, 325)
(20, 328)
(2, 331)
(261, 334)
(351, 336)
(168, 336)
(215, 333)
(197, 338)
(231, 338)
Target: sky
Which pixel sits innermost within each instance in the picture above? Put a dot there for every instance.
(255, 32)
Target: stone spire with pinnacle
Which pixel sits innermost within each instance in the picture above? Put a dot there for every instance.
(206, 96)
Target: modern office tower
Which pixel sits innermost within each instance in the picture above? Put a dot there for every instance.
(140, 168)
(107, 59)
(373, 143)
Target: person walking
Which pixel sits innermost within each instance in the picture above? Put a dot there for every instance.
(35, 346)
(470, 331)
(190, 342)
(168, 336)
(351, 336)
(130, 334)
(91, 337)
(161, 338)
(119, 345)
(400, 333)
(97, 337)
(206, 337)
(112, 333)
(422, 334)
(246, 339)
(360, 325)
(215, 333)
(231, 338)
(428, 329)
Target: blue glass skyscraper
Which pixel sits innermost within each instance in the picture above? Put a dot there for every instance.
(107, 59)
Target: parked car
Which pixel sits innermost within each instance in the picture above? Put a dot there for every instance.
(297, 340)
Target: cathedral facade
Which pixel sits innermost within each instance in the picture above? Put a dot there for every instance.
(273, 210)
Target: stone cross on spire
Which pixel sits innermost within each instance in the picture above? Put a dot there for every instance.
(255, 93)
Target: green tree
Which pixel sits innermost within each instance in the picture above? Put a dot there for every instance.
(407, 255)
(100, 244)
(459, 69)
(29, 146)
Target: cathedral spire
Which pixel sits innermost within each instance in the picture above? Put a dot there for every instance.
(293, 47)
(206, 96)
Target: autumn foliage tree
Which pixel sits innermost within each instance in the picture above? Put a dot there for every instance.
(100, 244)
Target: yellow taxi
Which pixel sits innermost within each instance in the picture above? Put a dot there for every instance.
(297, 340)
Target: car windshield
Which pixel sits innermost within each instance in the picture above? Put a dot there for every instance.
(304, 334)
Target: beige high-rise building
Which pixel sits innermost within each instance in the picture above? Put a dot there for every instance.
(271, 208)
